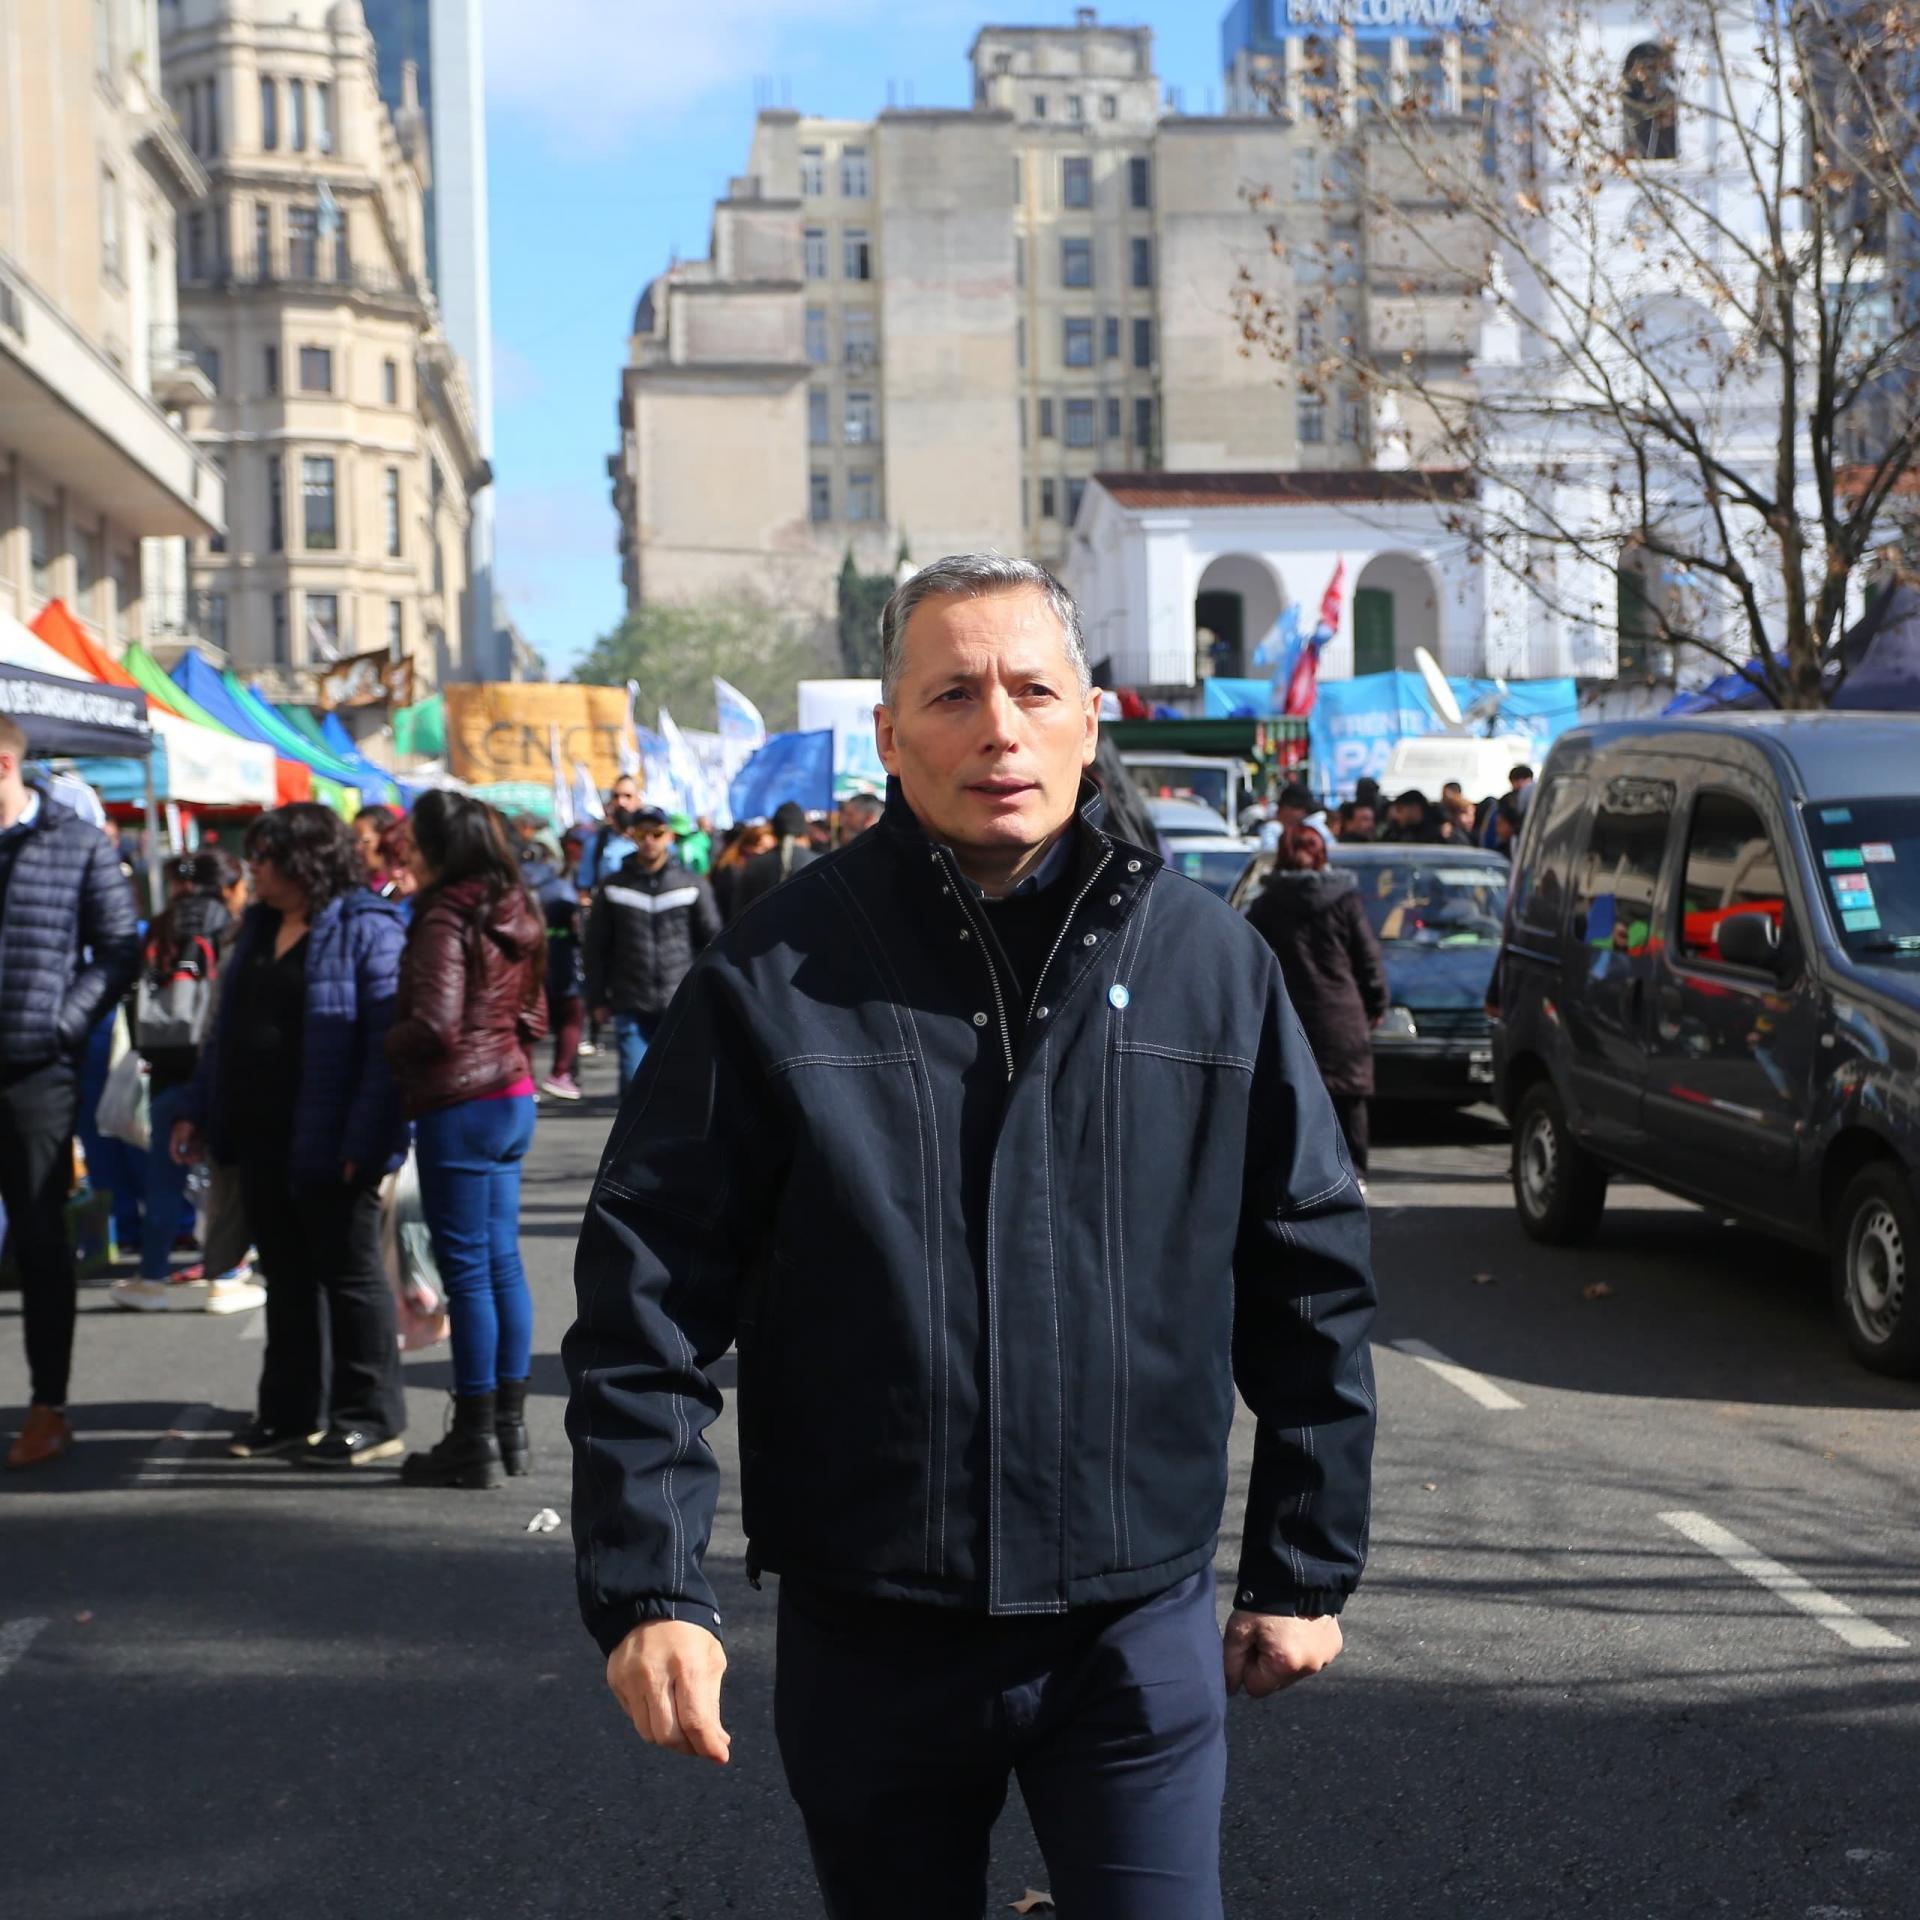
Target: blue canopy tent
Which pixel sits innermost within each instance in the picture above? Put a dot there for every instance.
(227, 702)
(347, 750)
(1879, 654)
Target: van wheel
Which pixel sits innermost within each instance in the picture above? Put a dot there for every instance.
(1876, 1269)
(1558, 1186)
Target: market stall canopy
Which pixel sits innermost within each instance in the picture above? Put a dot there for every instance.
(372, 786)
(64, 716)
(292, 779)
(65, 635)
(347, 748)
(210, 691)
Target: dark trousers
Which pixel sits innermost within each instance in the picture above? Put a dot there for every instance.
(37, 1111)
(900, 1727)
(332, 1358)
(1350, 1109)
(566, 1013)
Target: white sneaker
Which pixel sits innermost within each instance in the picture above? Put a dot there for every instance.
(235, 1293)
(160, 1296)
(588, 1050)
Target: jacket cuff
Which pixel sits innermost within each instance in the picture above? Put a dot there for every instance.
(611, 1624)
(1304, 1603)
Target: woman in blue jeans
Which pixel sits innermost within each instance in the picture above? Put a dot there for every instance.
(471, 1005)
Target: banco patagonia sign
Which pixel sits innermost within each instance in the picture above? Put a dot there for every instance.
(1389, 16)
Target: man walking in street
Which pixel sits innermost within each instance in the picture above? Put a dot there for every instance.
(648, 920)
(69, 948)
(998, 1151)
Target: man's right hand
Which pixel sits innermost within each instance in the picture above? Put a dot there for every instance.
(666, 1674)
(185, 1144)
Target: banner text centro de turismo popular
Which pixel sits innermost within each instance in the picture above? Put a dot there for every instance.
(504, 730)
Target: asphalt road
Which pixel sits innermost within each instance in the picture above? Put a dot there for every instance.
(231, 1690)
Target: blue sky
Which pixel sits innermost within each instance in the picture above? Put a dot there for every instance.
(612, 127)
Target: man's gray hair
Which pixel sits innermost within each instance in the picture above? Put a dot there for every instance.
(972, 576)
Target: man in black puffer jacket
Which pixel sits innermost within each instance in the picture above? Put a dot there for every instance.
(997, 1149)
(69, 947)
(649, 919)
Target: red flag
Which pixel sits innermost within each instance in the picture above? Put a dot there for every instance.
(1330, 605)
(1303, 688)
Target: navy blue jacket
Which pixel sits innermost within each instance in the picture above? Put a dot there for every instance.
(345, 1106)
(993, 1271)
(69, 938)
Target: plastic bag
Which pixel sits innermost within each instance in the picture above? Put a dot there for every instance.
(122, 1113)
(419, 1308)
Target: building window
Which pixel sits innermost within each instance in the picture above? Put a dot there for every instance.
(280, 655)
(269, 115)
(1039, 106)
(1076, 492)
(303, 243)
(40, 547)
(819, 497)
(396, 629)
(1649, 108)
(1143, 426)
(1110, 336)
(1020, 420)
(817, 400)
(1076, 107)
(856, 257)
(858, 342)
(1019, 261)
(1020, 342)
(322, 117)
(323, 626)
(853, 174)
(1310, 420)
(1352, 419)
(1076, 343)
(1046, 418)
(321, 530)
(1076, 263)
(390, 382)
(297, 115)
(262, 241)
(1079, 423)
(816, 336)
(1076, 181)
(1141, 251)
(860, 421)
(316, 369)
(270, 369)
(390, 507)
(1113, 416)
(813, 253)
(1143, 343)
(813, 172)
(276, 508)
(1109, 107)
(110, 224)
(207, 359)
(196, 246)
(860, 499)
(1047, 508)
(1140, 181)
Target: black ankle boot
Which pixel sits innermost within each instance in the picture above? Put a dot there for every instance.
(468, 1457)
(510, 1426)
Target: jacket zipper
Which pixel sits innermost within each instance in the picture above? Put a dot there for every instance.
(960, 885)
(1066, 927)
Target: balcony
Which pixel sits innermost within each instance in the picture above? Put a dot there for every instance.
(302, 266)
(179, 370)
(172, 622)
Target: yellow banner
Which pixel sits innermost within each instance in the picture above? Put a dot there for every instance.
(504, 730)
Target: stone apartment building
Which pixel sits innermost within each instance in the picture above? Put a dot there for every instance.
(99, 487)
(933, 328)
(336, 408)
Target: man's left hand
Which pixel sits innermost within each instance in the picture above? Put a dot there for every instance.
(1268, 1651)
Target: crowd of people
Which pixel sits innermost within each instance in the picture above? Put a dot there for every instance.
(1409, 818)
(307, 1017)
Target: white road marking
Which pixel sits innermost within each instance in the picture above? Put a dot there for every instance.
(254, 1325)
(16, 1636)
(169, 1453)
(1835, 1615)
(1476, 1386)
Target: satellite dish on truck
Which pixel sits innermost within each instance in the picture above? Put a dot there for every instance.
(1457, 752)
(1440, 692)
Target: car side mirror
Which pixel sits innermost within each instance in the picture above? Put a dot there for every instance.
(1751, 940)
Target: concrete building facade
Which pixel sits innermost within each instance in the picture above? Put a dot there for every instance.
(339, 411)
(99, 486)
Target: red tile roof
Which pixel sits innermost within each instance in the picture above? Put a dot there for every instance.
(1311, 488)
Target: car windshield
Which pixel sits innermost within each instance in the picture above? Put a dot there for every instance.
(1869, 853)
(1216, 868)
(1433, 903)
(1209, 785)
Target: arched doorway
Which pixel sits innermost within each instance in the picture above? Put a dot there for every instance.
(1396, 607)
(1235, 607)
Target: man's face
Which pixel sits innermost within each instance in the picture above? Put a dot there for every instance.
(989, 732)
(626, 794)
(1360, 824)
(655, 843)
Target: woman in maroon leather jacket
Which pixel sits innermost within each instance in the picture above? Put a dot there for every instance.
(472, 1003)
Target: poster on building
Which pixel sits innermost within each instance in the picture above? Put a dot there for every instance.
(505, 730)
(845, 707)
(367, 680)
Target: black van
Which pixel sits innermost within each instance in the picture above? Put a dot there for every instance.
(1709, 977)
